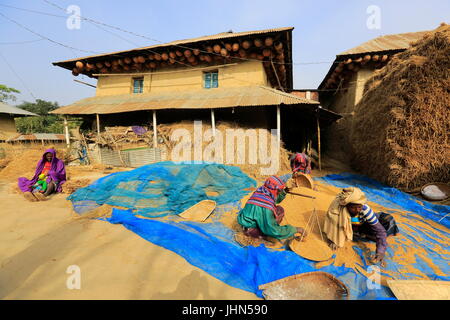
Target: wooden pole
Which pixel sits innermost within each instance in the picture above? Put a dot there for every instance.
(279, 127)
(155, 134)
(98, 124)
(213, 122)
(66, 131)
(98, 138)
(318, 140)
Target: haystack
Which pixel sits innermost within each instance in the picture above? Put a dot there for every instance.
(401, 125)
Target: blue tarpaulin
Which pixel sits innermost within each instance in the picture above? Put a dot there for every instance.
(212, 248)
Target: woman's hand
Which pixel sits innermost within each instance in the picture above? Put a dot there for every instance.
(301, 234)
(377, 258)
(332, 245)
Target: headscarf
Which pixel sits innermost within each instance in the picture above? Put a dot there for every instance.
(337, 225)
(266, 195)
(57, 173)
(300, 162)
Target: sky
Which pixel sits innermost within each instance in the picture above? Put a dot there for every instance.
(323, 29)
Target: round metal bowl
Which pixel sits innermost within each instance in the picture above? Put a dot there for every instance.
(436, 191)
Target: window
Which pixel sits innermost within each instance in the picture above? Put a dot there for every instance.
(211, 79)
(138, 85)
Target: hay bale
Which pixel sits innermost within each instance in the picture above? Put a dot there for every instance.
(400, 129)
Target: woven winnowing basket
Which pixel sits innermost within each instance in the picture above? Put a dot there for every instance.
(306, 286)
(200, 211)
(303, 180)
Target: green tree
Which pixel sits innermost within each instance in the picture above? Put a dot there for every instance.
(45, 123)
(7, 93)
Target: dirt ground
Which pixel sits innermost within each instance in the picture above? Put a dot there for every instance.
(40, 240)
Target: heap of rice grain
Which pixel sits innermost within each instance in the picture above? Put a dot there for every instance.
(165, 131)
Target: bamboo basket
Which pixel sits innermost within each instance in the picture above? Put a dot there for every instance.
(316, 285)
(303, 180)
(200, 211)
(312, 248)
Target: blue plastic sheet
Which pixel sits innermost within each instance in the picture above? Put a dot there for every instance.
(211, 246)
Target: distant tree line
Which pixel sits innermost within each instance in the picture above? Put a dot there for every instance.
(45, 123)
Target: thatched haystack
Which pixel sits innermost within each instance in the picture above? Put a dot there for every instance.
(400, 133)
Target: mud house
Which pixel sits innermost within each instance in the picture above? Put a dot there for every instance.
(7, 123)
(239, 77)
(343, 86)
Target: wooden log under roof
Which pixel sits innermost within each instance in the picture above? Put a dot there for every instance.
(217, 48)
(278, 46)
(79, 65)
(258, 43)
(246, 44)
(267, 52)
(235, 47)
(268, 42)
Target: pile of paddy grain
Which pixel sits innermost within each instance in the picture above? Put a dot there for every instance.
(253, 170)
(22, 163)
(401, 125)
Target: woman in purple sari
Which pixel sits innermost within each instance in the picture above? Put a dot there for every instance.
(55, 171)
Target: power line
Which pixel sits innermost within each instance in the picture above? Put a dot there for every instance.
(175, 45)
(96, 23)
(33, 11)
(20, 42)
(44, 37)
(17, 75)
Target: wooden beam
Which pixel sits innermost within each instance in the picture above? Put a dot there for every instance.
(82, 82)
(98, 123)
(98, 136)
(318, 140)
(279, 127)
(155, 134)
(213, 122)
(66, 131)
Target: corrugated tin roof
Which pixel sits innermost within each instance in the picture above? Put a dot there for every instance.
(386, 43)
(394, 43)
(222, 35)
(39, 137)
(6, 108)
(197, 99)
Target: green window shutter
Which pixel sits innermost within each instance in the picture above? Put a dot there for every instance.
(208, 80)
(215, 80)
(138, 85)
